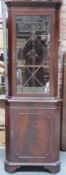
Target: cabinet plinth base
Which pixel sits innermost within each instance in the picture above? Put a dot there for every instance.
(53, 169)
(11, 168)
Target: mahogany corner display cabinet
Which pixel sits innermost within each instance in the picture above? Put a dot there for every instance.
(32, 108)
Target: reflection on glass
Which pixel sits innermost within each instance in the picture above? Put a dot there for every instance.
(32, 54)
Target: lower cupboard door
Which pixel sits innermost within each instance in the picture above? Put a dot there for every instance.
(34, 138)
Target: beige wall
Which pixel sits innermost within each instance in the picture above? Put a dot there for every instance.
(1, 37)
(63, 25)
(62, 45)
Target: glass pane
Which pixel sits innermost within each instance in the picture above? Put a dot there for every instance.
(32, 54)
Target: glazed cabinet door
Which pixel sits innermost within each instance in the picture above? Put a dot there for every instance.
(33, 52)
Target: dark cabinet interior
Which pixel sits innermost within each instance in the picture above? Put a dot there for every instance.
(32, 106)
